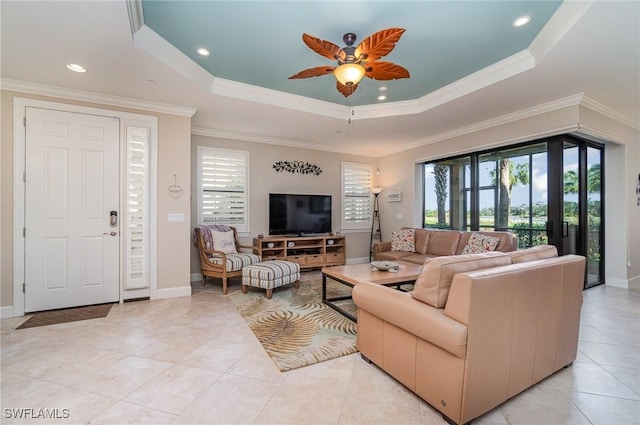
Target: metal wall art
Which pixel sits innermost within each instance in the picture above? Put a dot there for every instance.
(297, 167)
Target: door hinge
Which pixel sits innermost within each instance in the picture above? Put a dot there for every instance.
(24, 287)
(24, 121)
(24, 232)
(24, 176)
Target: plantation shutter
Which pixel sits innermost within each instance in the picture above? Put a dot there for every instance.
(356, 195)
(223, 177)
(137, 209)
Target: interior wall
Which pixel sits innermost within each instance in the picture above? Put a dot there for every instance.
(399, 173)
(263, 179)
(174, 141)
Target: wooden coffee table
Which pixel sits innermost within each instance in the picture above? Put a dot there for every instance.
(353, 274)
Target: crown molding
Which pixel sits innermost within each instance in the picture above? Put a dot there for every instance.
(91, 97)
(149, 41)
(565, 17)
(608, 112)
(554, 105)
(513, 65)
(229, 135)
(136, 16)
(229, 88)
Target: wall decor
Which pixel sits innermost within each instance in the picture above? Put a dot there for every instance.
(297, 167)
(394, 197)
(175, 190)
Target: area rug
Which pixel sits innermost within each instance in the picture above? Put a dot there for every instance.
(294, 326)
(66, 315)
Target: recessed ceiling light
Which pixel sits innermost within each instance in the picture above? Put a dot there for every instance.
(75, 67)
(382, 97)
(382, 88)
(202, 51)
(523, 20)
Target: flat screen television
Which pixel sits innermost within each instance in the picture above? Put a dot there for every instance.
(298, 215)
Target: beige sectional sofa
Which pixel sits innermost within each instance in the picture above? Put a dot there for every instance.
(477, 329)
(435, 243)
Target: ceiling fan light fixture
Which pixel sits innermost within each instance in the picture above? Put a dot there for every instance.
(349, 73)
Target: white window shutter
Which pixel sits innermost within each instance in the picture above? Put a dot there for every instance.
(356, 195)
(136, 225)
(223, 177)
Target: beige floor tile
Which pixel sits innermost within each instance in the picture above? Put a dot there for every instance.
(603, 410)
(232, 400)
(122, 377)
(591, 378)
(216, 355)
(542, 404)
(629, 377)
(173, 389)
(611, 354)
(127, 413)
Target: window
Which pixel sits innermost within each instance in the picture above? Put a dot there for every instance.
(223, 196)
(356, 195)
(137, 209)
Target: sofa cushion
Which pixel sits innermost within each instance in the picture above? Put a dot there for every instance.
(443, 242)
(478, 243)
(422, 240)
(538, 252)
(392, 256)
(403, 240)
(505, 241)
(432, 286)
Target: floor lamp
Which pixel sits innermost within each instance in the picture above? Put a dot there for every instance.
(376, 218)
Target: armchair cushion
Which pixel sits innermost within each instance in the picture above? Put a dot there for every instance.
(236, 262)
(224, 241)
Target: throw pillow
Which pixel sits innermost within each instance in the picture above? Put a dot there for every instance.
(480, 243)
(403, 240)
(223, 241)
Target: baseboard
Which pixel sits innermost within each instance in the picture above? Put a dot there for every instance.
(359, 260)
(196, 277)
(181, 291)
(6, 312)
(617, 283)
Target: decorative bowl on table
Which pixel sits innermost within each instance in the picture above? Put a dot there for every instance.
(385, 266)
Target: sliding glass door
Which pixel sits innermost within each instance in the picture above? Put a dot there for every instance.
(546, 192)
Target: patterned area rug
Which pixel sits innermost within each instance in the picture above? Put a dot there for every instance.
(65, 315)
(294, 326)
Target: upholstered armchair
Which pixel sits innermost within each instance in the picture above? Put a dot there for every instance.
(220, 255)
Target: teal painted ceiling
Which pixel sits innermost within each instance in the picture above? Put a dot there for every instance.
(260, 42)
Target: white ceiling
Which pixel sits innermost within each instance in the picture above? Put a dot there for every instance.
(590, 49)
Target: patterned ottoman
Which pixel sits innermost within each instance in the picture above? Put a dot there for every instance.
(269, 275)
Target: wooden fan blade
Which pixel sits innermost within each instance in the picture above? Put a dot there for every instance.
(321, 47)
(385, 71)
(346, 90)
(318, 71)
(379, 44)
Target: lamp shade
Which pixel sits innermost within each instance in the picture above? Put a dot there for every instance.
(376, 190)
(349, 73)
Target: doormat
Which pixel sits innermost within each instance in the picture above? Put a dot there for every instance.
(65, 315)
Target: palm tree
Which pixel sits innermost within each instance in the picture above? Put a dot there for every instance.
(440, 174)
(510, 176)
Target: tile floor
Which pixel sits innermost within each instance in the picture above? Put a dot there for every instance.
(192, 360)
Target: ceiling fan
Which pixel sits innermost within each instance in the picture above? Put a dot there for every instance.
(356, 62)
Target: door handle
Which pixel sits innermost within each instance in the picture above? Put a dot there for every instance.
(565, 229)
(110, 233)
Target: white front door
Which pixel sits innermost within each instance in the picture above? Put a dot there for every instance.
(72, 171)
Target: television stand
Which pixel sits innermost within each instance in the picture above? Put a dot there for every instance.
(308, 251)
